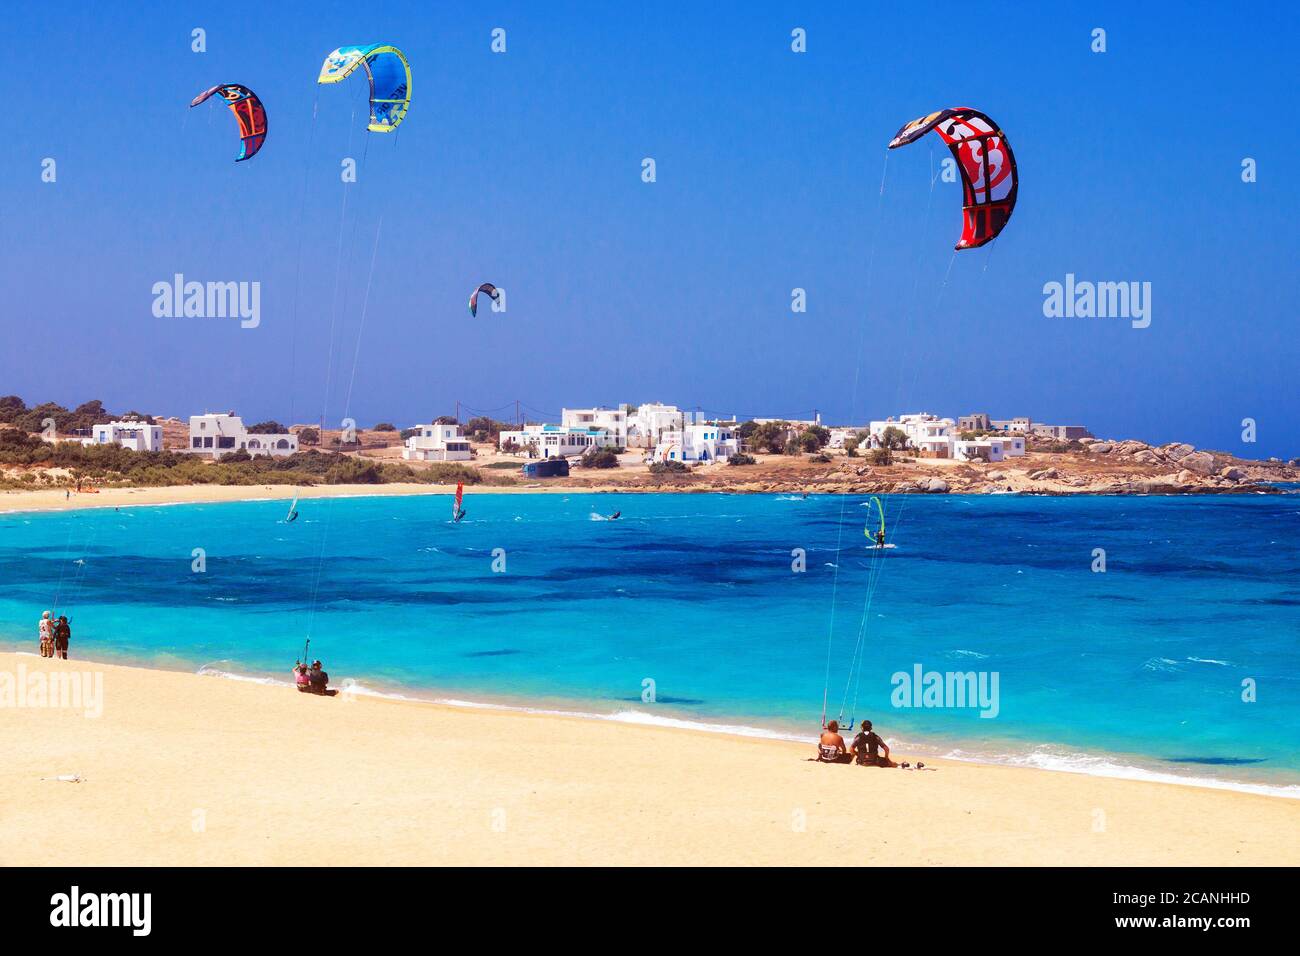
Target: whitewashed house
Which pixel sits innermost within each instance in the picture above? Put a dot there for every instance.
(925, 432)
(613, 421)
(556, 441)
(437, 442)
(137, 436)
(702, 441)
(1013, 446)
(649, 422)
(1020, 424)
(840, 435)
(218, 435)
(978, 449)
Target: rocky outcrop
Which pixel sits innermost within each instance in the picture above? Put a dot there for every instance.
(1200, 462)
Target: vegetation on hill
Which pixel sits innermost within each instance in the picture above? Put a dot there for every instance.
(267, 428)
(14, 411)
(115, 465)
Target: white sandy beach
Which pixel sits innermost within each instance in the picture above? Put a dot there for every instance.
(196, 770)
(56, 499)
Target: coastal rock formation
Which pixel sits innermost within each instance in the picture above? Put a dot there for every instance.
(1200, 462)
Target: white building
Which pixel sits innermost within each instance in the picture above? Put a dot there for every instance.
(649, 422)
(437, 442)
(218, 435)
(552, 441)
(612, 420)
(840, 435)
(137, 436)
(1021, 424)
(988, 449)
(702, 441)
(922, 429)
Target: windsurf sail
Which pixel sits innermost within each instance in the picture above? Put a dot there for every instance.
(457, 512)
(293, 512)
(879, 533)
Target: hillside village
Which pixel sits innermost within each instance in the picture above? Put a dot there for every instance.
(651, 446)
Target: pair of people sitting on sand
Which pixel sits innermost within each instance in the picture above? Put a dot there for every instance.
(310, 680)
(865, 752)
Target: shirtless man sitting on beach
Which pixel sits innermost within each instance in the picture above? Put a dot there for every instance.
(831, 747)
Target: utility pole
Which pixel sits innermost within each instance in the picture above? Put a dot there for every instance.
(458, 411)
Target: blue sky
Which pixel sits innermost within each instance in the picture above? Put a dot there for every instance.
(524, 169)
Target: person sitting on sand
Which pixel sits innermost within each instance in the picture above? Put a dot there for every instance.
(62, 634)
(867, 746)
(318, 678)
(831, 747)
(46, 631)
(301, 677)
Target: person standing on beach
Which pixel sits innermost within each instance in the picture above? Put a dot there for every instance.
(62, 634)
(46, 631)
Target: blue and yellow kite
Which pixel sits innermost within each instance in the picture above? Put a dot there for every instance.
(390, 80)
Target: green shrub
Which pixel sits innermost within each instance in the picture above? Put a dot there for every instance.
(668, 468)
(600, 458)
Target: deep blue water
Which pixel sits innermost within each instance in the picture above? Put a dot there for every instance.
(1142, 665)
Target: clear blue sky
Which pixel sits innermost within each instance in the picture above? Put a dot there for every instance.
(524, 169)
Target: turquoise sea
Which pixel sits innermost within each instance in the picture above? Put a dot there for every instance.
(1137, 670)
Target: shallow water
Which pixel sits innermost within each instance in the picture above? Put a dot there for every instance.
(1139, 668)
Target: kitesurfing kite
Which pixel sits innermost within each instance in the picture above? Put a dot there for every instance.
(390, 80)
(988, 169)
(457, 512)
(488, 289)
(248, 110)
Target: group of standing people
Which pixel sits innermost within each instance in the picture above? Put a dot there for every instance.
(55, 634)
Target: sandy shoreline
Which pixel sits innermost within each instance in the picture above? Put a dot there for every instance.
(193, 770)
(13, 502)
